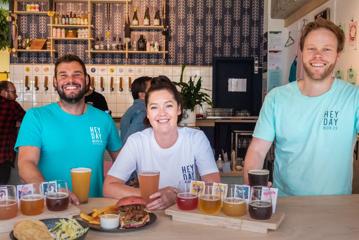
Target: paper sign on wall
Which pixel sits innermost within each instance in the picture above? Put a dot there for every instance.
(237, 85)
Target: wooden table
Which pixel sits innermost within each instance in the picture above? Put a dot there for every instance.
(322, 218)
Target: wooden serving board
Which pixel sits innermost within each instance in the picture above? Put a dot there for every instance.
(243, 223)
(7, 225)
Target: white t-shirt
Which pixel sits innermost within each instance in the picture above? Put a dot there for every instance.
(192, 152)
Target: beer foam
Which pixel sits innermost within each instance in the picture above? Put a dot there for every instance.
(149, 173)
(81, 170)
(259, 171)
(32, 197)
(58, 195)
(186, 196)
(231, 200)
(260, 204)
(7, 203)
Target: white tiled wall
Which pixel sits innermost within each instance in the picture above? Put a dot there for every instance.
(117, 100)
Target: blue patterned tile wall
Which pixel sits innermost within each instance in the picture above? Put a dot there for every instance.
(198, 31)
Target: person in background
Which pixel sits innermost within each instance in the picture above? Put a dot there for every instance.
(177, 153)
(11, 114)
(133, 119)
(60, 136)
(314, 122)
(96, 99)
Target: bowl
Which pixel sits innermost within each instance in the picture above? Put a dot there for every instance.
(109, 221)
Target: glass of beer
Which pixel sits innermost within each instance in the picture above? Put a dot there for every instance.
(258, 177)
(31, 199)
(81, 183)
(234, 203)
(260, 205)
(186, 200)
(8, 203)
(57, 196)
(149, 181)
(209, 201)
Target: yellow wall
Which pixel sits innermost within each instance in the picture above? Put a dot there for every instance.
(4, 61)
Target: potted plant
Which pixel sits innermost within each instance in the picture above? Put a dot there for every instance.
(192, 95)
(4, 26)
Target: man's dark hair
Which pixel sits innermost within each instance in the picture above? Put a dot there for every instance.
(164, 83)
(4, 85)
(139, 85)
(70, 58)
(326, 24)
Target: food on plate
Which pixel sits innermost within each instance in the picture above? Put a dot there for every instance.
(94, 216)
(132, 212)
(68, 229)
(109, 221)
(31, 230)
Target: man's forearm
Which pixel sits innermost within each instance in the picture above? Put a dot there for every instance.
(29, 173)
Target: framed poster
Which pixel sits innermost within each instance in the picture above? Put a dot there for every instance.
(323, 14)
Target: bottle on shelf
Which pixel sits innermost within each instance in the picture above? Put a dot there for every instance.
(146, 19)
(220, 163)
(127, 31)
(141, 43)
(56, 20)
(157, 19)
(135, 21)
(19, 42)
(114, 44)
(97, 44)
(102, 46)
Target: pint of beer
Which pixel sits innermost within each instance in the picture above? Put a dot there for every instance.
(81, 183)
(149, 182)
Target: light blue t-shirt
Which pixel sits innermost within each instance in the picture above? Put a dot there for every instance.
(314, 138)
(68, 141)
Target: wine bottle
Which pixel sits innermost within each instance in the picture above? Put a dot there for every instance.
(141, 43)
(135, 18)
(157, 19)
(146, 20)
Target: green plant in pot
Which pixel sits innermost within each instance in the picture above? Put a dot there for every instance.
(4, 26)
(192, 95)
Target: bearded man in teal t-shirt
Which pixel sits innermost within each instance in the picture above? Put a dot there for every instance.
(68, 134)
(314, 122)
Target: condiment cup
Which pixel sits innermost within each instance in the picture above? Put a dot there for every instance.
(109, 221)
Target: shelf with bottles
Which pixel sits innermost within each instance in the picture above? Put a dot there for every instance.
(72, 39)
(31, 13)
(151, 27)
(146, 52)
(34, 50)
(70, 26)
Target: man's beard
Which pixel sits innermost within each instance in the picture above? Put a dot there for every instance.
(327, 72)
(73, 98)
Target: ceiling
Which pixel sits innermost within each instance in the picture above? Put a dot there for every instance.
(281, 9)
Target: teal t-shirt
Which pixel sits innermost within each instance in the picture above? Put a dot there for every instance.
(314, 138)
(68, 141)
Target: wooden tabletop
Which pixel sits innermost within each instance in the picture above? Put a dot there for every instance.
(333, 217)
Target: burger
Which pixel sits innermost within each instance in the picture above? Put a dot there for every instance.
(132, 212)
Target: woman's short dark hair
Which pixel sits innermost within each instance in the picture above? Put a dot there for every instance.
(139, 85)
(164, 83)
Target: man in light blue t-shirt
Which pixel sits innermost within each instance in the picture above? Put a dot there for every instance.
(313, 121)
(60, 136)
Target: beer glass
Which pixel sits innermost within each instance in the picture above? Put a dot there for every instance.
(57, 199)
(81, 183)
(8, 203)
(149, 181)
(185, 199)
(258, 177)
(31, 199)
(209, 201)
(260, 205)
(234, 203)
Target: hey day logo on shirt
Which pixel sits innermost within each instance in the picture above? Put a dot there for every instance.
(330, 120)
(96, 135)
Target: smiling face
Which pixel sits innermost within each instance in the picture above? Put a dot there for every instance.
(163, 111)
(320, 54)
(70, 82)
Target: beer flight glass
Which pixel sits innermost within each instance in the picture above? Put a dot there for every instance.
(8, 203)
(149, 182)
(209, 201)
(57, 196)
(185, 199)
(234, 203)
(260, 205)
(32, 199)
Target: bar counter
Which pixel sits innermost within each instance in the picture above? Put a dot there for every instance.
(329, 217)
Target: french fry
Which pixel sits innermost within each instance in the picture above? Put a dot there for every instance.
(94, 217)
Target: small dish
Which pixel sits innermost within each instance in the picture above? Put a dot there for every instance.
(109, 221)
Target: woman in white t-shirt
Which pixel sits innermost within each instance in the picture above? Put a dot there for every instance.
(177, 153)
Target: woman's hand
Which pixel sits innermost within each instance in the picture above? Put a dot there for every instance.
(74, 199)
(162, 199)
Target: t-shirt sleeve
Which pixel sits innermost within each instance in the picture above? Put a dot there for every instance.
(125, 162)
(114, 142)
(203, 154)
(30, 131)
(265, 127)
(357, 119)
